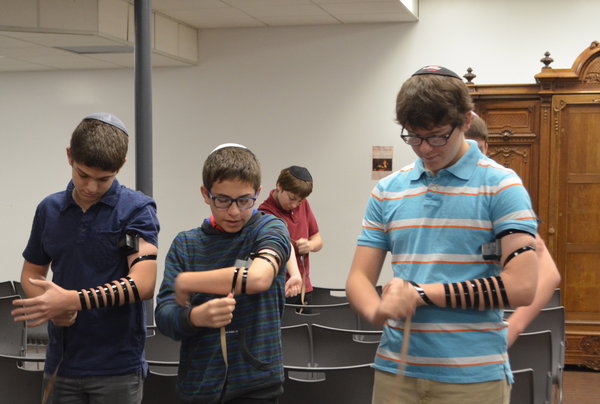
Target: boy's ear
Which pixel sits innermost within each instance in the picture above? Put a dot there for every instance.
(258, 191)
(467, 123)
(204, 193)
(69, 159)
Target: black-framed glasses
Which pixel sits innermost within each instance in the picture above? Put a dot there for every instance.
(436, 141)
(225, 202)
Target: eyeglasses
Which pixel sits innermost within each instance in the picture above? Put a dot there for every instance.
(225, 202)
(435, 141)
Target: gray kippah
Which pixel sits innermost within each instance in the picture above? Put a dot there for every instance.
(301, 173)
(109, 119)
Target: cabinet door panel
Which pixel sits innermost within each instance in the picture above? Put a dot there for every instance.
(575, 151)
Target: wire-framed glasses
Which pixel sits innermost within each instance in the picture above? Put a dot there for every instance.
(225, 202)
(412, 139)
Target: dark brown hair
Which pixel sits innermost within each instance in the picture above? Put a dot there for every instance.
(231, 163)
(295, 185)
(428, 101)
(99, 145)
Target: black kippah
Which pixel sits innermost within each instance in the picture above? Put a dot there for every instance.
(301, 173)
(437, 70)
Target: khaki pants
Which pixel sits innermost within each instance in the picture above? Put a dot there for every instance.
(391, 389)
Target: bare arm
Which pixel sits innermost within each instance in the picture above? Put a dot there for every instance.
(50, 301)
(33, 271)
(219, 281)
(548, 280)
(293, 285)
(144, 272)
(519, 276)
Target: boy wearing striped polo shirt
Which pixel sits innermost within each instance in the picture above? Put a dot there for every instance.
(460, 230)
(230, 350)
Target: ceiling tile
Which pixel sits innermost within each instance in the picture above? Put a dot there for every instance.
(216, 18)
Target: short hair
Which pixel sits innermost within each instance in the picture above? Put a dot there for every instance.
(430, 100)
(478, 129)
(99, 145)
(293, 184)
(231, 163)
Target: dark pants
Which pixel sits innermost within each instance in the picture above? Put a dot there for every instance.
(122, 389)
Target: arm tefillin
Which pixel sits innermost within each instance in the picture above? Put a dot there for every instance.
(263, 255)
(115, 293)
(129, 243)
(490, 290)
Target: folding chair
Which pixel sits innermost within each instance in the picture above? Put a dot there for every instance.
(555, 300)
(339, 315)
(160, 388)
(13, 335)
(162, 353)
(18, 385)
(522, 389)
(7, 289)
(534, 351)
(297, 346)
(553, 319)
(322, 295)
(334, 347)
(348, 385)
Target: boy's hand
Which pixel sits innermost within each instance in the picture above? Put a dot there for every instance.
(293, 286)
(303, 246)
(215, 313)
(53, 303)
(398, 300)
(67, 319)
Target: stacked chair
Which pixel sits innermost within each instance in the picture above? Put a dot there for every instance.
(534, 351)
(327, 351)
(20, 375)
(551, 319)
(162, 355)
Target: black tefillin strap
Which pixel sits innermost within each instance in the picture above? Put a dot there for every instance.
(491, 294)
(262, 254)
(492, 289)
(517, 252)
(96, 295)
(422, 293)
(447, 293)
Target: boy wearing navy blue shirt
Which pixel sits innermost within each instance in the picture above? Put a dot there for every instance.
(100, 240)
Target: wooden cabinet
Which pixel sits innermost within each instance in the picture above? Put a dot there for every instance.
(549, 133)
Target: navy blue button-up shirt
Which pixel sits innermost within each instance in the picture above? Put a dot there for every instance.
(82, 249)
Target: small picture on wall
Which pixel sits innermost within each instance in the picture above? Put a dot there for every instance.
(382, 158)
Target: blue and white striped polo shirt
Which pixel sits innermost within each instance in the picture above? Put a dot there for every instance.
(434, 227)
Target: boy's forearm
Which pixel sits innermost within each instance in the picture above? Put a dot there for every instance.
(259, 277)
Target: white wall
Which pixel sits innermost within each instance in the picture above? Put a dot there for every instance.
(315, 96)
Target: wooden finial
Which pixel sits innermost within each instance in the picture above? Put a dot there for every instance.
(546, 60)
(469, 76)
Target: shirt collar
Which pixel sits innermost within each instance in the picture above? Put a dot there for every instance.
(462, 169)
(109, 198)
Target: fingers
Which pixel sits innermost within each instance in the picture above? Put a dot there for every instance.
(32, 316)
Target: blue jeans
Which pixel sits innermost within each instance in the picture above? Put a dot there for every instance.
(122, 389)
